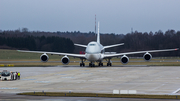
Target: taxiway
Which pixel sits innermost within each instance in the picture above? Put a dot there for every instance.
(144, 79)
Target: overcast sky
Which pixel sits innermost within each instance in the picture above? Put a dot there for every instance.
(115, 16)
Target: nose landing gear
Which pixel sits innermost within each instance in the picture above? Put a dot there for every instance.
(91, 64)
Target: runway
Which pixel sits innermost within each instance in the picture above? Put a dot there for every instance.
(144, 79)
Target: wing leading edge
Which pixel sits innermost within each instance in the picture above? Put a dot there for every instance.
(56, 53)
(138, 52)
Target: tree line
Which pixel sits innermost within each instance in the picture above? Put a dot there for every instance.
(51, 43)
(135, 41)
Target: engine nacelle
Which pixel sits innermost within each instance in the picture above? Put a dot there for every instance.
(124, 59)
(44, 57)
(147, 56)
(65, 60)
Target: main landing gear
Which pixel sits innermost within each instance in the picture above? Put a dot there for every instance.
(100, 64)
(82, 63)
(109, 63)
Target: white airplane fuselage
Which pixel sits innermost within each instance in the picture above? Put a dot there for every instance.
(94, 52)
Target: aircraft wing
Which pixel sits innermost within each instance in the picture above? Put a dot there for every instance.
(113, 45)
(56, 53)
(127, 53)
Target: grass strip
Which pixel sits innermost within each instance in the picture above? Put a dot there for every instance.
(72, 94)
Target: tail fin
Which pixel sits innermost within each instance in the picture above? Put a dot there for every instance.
(98, 36)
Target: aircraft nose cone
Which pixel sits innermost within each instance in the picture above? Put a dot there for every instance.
(92, 57)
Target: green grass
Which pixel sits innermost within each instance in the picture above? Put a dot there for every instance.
(63, 94)
(13, 55)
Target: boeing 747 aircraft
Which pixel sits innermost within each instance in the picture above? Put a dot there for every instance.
(95, 53)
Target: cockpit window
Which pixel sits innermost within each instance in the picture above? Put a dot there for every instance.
(92, 44)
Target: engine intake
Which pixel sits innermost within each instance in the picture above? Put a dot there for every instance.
(44, 57)
(124, 59)
(65, 60)
(147, 56)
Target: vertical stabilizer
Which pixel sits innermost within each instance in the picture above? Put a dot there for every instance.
(98, 36)
(95, 24)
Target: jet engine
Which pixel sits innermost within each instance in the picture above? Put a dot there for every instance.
(147, 56)
(65, 60)
(44, 57)
(124, 59)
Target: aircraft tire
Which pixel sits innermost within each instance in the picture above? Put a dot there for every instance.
(82, 64)
(101, 64)
(109, 64)
(90, 65)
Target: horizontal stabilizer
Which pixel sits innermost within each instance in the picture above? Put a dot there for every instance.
(113, 45)
(80, 45)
